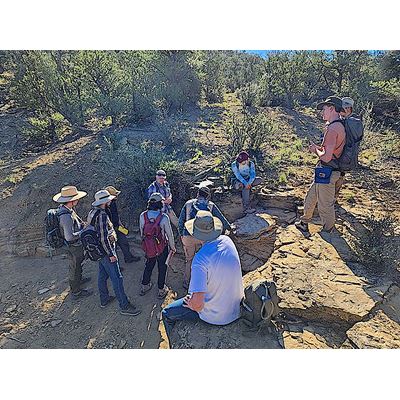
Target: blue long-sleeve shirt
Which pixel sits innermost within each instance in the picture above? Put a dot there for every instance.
(189, 211)
(245, 180)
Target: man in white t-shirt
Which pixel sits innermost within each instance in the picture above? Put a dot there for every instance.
(216, 287)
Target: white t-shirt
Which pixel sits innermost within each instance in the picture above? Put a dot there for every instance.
(216, 271)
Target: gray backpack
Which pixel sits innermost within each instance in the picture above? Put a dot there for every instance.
(348, 160)
(260, 304)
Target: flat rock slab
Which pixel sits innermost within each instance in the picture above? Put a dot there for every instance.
(380, 332)
(199, 335)
(313, 281)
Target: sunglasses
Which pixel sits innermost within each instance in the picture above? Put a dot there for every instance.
(161, 176)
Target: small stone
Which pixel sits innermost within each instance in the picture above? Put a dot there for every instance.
(122, 344)
(55, 322)
(44, 290)
(11, 309)
(88, 327)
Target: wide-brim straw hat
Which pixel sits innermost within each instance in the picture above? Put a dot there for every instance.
(111, 189)
(69, 193)
(102, 197)
(204, 226)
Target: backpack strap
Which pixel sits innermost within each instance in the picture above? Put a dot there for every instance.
(157, 221)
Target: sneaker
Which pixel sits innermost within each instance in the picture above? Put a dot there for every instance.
(130, 310)
(132, 259)
(302, 226)
(163, 292)
(81, 293)
(110, 299)
(145, 289)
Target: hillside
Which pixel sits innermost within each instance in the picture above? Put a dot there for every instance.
(331, 298)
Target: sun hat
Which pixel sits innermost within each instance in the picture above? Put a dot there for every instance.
(347, 102)
(204, 226)
(111, 189)
(69, 193)
(102, 197)
(154, 197)
(242, 156)
(330, 101)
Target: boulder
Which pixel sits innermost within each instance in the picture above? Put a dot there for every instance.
(379, 332)
(313, 281)
(255, 234)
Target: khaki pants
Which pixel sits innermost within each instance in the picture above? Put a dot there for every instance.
(338, 186)
(173, 218)
(322, 195)
(191, 246)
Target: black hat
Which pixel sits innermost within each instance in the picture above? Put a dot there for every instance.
(204, 190)
(331, 101)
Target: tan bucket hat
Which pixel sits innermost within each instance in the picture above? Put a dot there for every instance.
(204, 226)
(102, 197)
(111, 189)
(69, 193)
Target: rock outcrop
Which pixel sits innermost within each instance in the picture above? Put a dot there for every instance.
(313, 281)
(379, 332)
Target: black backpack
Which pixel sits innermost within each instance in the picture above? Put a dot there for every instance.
(260, 304)
(90, 240)
(53, 236)
(354, 128)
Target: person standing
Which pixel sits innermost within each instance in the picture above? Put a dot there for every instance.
(190, 244)
(322, 192)
(121, 231)
(70, 226)
(108, 264)
(347, 112)
(157, 240)
(160, 185)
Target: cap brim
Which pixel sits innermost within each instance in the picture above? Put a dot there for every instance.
(205, 237)
(61, 199)
(103, 201)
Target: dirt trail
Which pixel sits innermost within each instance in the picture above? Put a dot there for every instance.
(77, 324)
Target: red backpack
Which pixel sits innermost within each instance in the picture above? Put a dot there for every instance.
(153, 242)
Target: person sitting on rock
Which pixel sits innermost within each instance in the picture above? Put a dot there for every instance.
(323, 194)
(160, 185)
(216, 287)
(121, 231)
(190, 244)
(70, 226)
(108, 264)
(157, 245)
(244, 178)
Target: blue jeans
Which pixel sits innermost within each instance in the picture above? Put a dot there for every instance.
(107, 269)
(176, 312)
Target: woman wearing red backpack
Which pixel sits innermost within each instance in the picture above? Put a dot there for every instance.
(157, 238)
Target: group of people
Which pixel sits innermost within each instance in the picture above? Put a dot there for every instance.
(212, 275)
